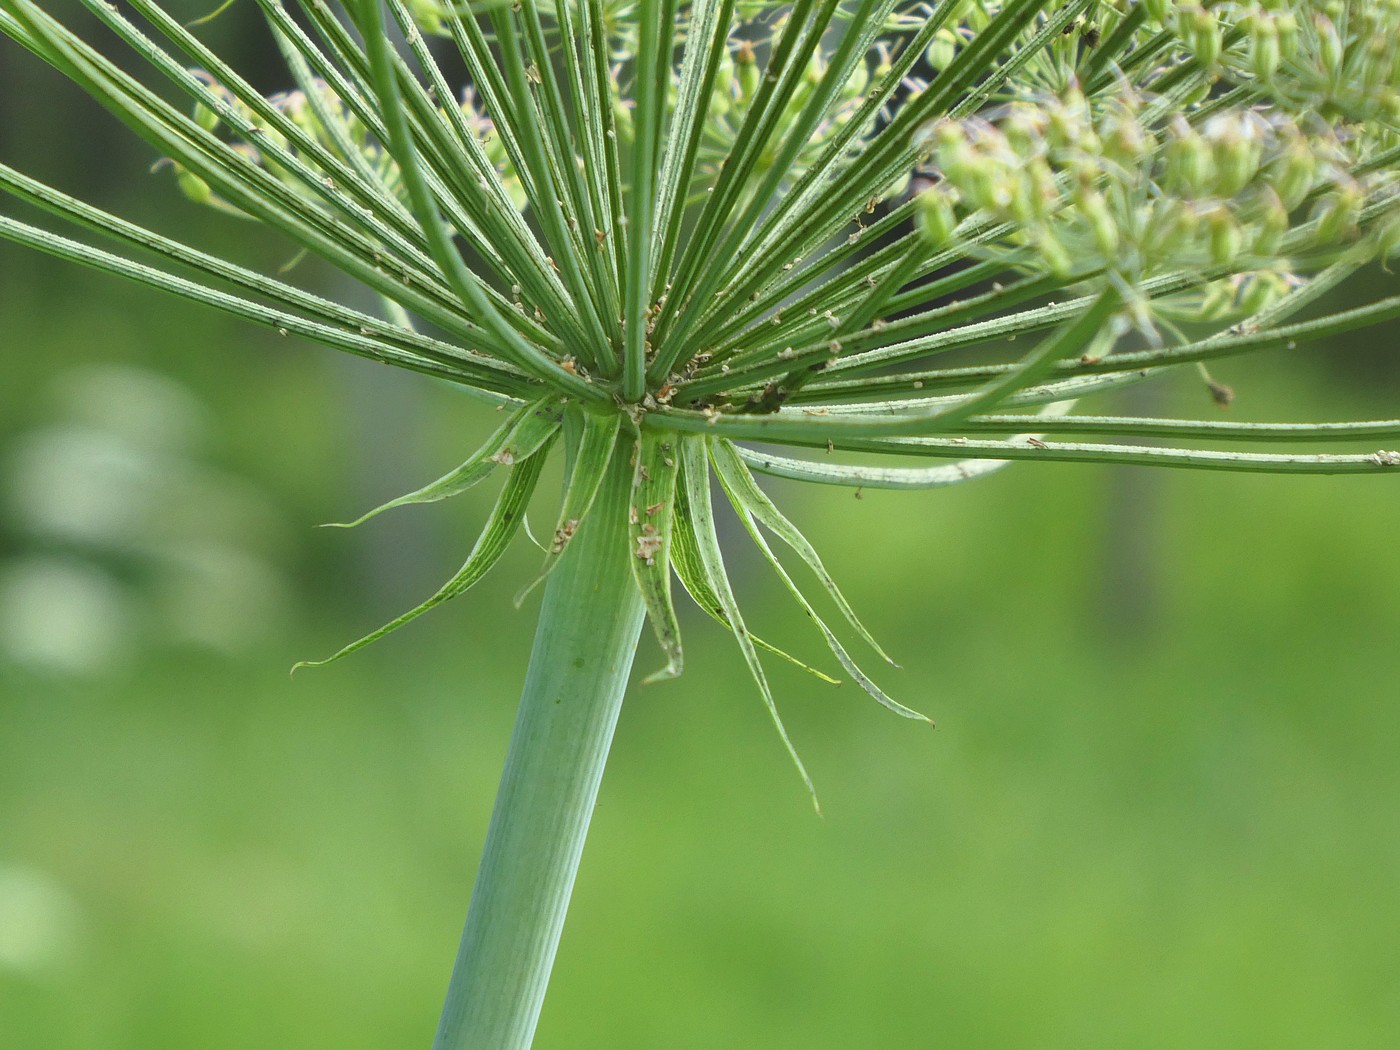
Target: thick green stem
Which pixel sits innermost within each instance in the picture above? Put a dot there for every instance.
(583, 651)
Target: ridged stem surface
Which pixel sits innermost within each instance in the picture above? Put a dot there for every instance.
(583, 651)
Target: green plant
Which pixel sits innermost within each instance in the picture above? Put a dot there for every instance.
(652, 231)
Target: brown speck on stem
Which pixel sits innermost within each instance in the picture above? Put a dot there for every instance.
(648, 543)
(562, 535)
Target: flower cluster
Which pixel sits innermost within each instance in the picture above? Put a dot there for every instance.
(330, 128)
(736, 88)
(1340, 60)
(1114, 184)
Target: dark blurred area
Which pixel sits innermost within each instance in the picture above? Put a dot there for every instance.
(1159, 810)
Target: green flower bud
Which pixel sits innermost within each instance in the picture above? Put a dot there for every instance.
(1190, 165)
(1292, 174)
(1387, 235)
(941, 49)
(1171, 223)
(934, 216)
(1377, 63)
(954, 153)
(1271, 225)
(1095, 211)
(1061, 130)
(1329, 46)
(1040, 187)
(1257, 289)
(1388, 103)
(1336, 213)
(1053, 253)
(1236, 153)
(746, 68)
(1025, 131)
(1264, 55)
(1125, 141)
(192, 186)
(1199, 28)
(1217, 301)
(1286, 28)
(724, 74)
(622, 120)
(1226, 237)
(205, 117)
(427, 16)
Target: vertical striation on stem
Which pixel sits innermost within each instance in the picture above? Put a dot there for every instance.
(587, 635)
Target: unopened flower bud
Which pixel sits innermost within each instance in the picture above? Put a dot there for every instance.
(723, 94)
(1172, 222)
(955, 154)
(622, 120)
(1190, 166)
(1126, 142)
(1377, 63)
(1264, 53)
(1293, 173)
(1336, 213)
(1387, 235)
(1040, 187)
(746, 69)
(1217, 300)
(1053, 253)
(1226, 237)
(1286, 27)
(192, 186)
(1025, 131)
(1257, 289)
(205, 117)
(1061, 130)
(1329, 45)
(427, 15)
(1095, 212)
(1236, 153)
(1201, 31)
(1271, 225)
(941, 49)
(934, 216)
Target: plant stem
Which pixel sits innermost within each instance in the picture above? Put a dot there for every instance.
(584, 645)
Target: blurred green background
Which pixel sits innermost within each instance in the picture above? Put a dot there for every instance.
(1161, 807)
